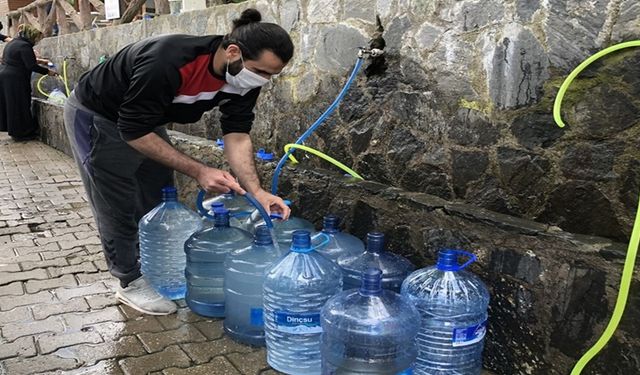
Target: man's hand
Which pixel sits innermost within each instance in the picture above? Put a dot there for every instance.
(272, 203)
(218, 181)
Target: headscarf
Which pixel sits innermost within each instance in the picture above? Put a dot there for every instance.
(30, 33)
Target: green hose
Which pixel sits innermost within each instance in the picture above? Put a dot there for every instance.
(629, 263)
(323, 156)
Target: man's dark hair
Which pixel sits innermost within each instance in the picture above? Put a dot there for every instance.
(253, 37)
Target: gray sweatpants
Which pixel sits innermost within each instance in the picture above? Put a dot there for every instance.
(121, 183)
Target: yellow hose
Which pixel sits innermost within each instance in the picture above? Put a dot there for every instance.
(323, 156)
(632, 250)
(565, 85)
(39, 85)
(64, 80)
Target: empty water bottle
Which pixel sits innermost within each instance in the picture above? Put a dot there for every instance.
(453, 306)
(206, 251)
(340, 244)
(162, 233)
(244, 275)
(394, 267)
(369, 330)
(295, 289)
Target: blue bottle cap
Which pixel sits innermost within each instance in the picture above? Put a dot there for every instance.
(263, 155)
(331, 224)
(169, 193)
(371, 282)
(220, 143)
(263, 236)
(448, 260)
(221, 217)
(301, 241)
(287, 202)
(216, 205)
(375, 242)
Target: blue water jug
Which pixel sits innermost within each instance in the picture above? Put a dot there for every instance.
(162, 233)
(369, 330)
(295, 289)
(244, 275)
(453, 306)
(340, 244)
(206, 251)
(394, 267)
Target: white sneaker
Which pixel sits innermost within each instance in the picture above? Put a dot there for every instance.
(141, 296)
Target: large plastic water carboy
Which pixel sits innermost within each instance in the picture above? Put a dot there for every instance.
(340, 244)
(162, 233)
(206, 251)
(369, 330)
(453, 306)
(295, 289)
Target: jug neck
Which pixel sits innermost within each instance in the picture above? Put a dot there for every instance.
(221, 217)
(330, 224)
(371, 282)
(263, 236)
(169, 194)
(375, 242)
(301, 242)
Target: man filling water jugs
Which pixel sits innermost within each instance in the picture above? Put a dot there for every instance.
(115, 123)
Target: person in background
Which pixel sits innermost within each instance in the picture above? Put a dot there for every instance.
(18, 62)
(116, 116)
(4, 38)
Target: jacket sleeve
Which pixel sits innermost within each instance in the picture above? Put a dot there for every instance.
(151, 90)
(237, 113)
(29, 60)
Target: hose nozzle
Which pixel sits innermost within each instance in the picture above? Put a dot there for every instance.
(373, 52)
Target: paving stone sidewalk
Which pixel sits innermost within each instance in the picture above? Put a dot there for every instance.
(57, 310)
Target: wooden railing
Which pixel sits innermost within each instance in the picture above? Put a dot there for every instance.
(44, 14)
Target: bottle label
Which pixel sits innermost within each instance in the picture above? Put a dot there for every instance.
(257, 317)
(469, 335)
(297, 323)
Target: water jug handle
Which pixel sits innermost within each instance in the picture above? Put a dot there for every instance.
(325, 241)
(472, 258)
(199, 200)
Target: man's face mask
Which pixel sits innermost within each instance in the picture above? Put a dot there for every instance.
(243, 77)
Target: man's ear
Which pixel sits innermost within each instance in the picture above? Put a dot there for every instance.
(233, 52)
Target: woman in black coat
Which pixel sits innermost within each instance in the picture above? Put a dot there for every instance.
(18, 61)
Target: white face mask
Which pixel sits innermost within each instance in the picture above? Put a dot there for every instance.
(245, 79)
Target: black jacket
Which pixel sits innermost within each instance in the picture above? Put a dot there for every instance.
(164, 79)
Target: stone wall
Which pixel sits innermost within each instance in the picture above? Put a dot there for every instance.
(460, 108)
(552, 292)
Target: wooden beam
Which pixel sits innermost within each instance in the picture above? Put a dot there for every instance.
(50, 21)
(42, 15)
(98, 5)
(85, 14)
(75, 17)
(28, 7)
(130, 13)
(61, 17)
(32, 20)
(162, 6)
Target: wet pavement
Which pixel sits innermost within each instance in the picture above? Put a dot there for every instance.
(58, 314)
